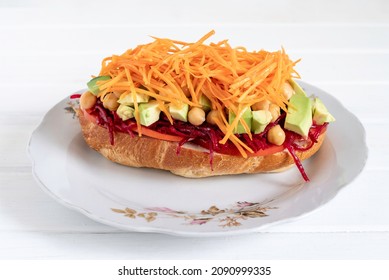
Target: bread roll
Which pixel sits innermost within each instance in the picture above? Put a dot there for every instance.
(192, 161)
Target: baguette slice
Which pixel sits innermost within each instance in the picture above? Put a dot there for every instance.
(192, 162)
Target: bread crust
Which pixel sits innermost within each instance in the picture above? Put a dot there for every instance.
(193, 163)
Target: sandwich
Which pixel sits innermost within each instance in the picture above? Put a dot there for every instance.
(200, 110)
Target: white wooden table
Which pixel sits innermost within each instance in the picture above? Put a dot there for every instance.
(48, 50)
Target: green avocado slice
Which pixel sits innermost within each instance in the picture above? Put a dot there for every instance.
(299, 116)
(149, 113)
(93, 87)
(247, 117)
(320, 113)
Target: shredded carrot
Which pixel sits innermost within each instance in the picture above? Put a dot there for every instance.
(155, 134)
(231, 78)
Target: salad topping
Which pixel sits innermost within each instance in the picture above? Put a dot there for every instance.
(227, 100)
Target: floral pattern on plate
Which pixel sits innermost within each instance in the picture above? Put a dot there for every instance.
(229, 217)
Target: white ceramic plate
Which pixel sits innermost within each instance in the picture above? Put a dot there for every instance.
(146, 200)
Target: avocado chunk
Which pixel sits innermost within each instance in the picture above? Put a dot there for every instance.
(129, 100)
(261, 119)
(205, 103)
(320, 113)
(247, 117)
(299, 116)
(179, 112)
(125, 112)
(296, 87)
(92, 84)
(149, 113)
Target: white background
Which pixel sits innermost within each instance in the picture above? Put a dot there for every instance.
(49, 49)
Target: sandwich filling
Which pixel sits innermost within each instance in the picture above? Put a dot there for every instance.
(227, 100)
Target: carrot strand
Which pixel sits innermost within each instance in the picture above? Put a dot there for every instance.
(232, 78)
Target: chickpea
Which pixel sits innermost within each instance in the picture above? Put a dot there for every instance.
(117, 94)
(87, 100)
(287, 91)
(196, 116)
(110, 101)
(102, 97)
(212, 115)
(274, 111)
(261, 105)
(276, 135)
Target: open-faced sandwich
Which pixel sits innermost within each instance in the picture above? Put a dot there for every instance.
(200, 110)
